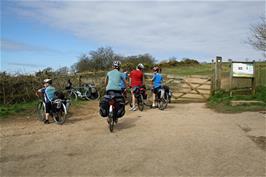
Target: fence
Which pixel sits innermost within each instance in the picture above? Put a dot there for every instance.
(221, 77)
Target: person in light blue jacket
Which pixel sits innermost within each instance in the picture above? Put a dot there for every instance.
(48, 92)
(157, 81)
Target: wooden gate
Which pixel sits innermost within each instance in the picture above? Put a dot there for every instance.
(190, 89)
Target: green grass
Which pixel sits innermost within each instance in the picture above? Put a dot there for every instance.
(28, 108)
(201, 69)
(220, 101)
(19, 108)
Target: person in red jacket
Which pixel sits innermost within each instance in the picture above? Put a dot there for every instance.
(136, 80)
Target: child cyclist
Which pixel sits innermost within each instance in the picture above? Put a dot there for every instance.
(157, 81)
(48, 91)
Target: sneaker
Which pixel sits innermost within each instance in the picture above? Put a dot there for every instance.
(46, 121)
(153, 106)
(133, 107)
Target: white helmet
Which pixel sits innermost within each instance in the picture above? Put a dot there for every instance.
(49, 81)
(116, 64)
(140, 66)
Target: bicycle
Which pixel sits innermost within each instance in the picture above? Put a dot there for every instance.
(140, 96)
(124, 94)
(92, 92)
(116, 108)
(162, 99)
(88, 92)
(168, 93)
(58, 111)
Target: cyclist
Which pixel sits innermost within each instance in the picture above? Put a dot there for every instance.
(48, 91)
(113, 78)
(136, 80)
(156, 83)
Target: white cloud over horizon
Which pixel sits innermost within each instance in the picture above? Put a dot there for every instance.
(201, 29)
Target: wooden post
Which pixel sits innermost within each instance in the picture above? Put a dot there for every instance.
(258, 76)
(254, 79)
(218, 69)
(212, 78)
(231, 78)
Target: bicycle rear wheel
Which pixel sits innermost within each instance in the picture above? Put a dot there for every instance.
(40, 110)
(162, 104)
(140, 103)
(60, 116)
(95, 96)
(111, 123)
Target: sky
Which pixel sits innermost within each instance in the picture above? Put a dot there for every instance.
(36, 34)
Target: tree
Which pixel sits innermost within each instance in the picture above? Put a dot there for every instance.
(83, 64)
(100, 59)
(132, 61)
(45, 72)
(62, 71)
(258, 37)
(103, 58)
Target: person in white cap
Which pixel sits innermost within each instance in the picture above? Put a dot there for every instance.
(48, 91)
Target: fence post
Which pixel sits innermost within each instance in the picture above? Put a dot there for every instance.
(254, 79)
(231, 77)
(218, 69)
(212, 78)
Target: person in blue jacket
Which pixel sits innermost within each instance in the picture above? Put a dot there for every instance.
(48, 92)
(157, 81)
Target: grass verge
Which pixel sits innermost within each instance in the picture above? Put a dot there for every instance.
(19, 108)
(27, 108)
(220, 102)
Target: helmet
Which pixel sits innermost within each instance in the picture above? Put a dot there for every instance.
(49, 81)
(156, 68)
(116, 64)
(140, 66)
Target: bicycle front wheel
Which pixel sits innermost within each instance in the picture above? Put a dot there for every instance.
(72, 95)
(40, 110)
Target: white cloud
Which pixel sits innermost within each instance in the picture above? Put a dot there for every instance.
(202, 29)
(16, 46)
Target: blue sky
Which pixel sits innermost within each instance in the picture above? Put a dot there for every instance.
(37, 34)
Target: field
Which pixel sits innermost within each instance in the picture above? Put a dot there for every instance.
(202, 69)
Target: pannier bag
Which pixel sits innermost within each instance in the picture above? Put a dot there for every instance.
(119, 110)
(104, 107)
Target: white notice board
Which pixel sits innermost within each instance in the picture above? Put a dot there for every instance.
(243, 69)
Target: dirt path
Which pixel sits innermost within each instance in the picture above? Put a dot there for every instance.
(184, 140)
